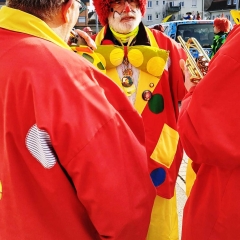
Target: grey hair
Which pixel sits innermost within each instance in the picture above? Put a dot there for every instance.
(43, 9)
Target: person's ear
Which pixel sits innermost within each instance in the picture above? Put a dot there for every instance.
(66, 10)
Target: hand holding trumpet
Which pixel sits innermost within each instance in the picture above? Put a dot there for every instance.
(187, 74)
(194, 69)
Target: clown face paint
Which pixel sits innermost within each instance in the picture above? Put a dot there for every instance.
(125, 19)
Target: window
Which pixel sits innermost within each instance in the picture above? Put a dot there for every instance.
(229, 2)
(163, 2)
(157, 3)
(81, 19)
(234, 2)
(149, 17)
(149, 4)
(182, 4)
(157, 16)
(202, 32)
(194, 3)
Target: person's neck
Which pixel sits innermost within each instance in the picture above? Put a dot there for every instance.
(125, 37)
(61, 29)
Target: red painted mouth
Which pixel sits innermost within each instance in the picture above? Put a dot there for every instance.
(127, 19)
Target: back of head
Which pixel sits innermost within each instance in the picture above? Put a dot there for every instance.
(43, 9)
(103, 9)
(223, 24)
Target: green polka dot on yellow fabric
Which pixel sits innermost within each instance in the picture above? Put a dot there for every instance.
(135, 56)
(100, 66)
(88, 57)
(116, 56)
(155, 66)
(102, 59)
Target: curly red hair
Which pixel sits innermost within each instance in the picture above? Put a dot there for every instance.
(102, 8)
(223, 24)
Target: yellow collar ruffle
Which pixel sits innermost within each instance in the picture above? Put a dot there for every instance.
(146, 58)
(19, 21)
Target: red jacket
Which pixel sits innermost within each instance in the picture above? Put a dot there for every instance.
(209, 127)
(73, 163)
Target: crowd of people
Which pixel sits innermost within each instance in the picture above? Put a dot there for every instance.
(89, 154)
(191, 16)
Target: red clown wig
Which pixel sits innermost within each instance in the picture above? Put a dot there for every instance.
(222, 24)
(102, 8)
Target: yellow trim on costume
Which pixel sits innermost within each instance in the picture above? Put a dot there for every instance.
(29, 24)
(190, 177)
(100, 36)
(0, 190)
(164, 219)
(166, 147)
(113, 74)
(152, 39)
(143, 84)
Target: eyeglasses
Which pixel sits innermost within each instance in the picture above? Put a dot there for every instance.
(117, 4)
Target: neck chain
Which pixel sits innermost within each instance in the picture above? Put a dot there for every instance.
(127, 79)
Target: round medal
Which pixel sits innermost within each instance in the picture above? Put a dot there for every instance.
(127, 81)
(147, 95)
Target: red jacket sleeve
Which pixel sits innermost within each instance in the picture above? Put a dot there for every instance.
(209, 123)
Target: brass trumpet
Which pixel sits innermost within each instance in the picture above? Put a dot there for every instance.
(197, 67)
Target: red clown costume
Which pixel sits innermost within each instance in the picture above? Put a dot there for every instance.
(209, 126)
(73, 161)
(154, 64)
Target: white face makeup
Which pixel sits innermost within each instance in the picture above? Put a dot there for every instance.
(125, 16)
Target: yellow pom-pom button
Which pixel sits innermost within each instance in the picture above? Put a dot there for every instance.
(135, 57)
(116, 56)
(155, 66)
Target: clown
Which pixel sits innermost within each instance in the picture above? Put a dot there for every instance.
(149, 60)
(221, 28)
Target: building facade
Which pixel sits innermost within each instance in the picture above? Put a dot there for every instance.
(219, 8)
(157, 10)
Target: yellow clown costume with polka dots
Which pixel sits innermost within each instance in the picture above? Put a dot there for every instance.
(161, 78)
